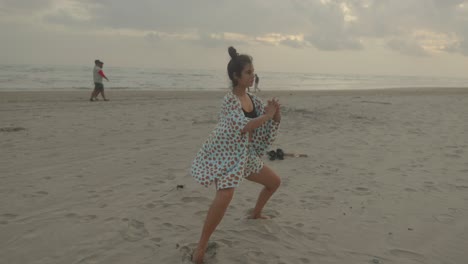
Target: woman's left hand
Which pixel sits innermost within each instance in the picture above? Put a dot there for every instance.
(276, 103)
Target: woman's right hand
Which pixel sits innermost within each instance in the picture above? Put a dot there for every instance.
(270, 109)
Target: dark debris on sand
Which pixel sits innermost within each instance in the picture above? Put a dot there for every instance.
(11, 129)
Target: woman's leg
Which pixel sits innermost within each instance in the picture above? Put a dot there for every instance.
(213, 218)
(271, 181)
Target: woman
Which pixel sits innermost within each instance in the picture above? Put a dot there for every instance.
(233, 151)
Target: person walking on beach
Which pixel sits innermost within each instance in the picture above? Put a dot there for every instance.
(98, 74)
(257, 80)
(246, 129)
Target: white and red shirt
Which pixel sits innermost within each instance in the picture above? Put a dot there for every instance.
(98, 74)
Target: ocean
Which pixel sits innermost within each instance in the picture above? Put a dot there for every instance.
(53, 78)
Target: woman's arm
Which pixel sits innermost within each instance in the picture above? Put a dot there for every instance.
(264, 136)
(270, 110)
(277, 116)
(256, 123)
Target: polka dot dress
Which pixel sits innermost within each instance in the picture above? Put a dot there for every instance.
(227, 156)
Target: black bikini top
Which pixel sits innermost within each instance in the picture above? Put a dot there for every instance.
(253, 113)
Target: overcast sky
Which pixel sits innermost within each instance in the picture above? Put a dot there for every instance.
(408, 37)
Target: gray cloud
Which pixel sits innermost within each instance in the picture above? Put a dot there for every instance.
(462, 46)
(327, 29)
(216, 41)
(61, 17)
(20, 6)
(407, 46)
(153, 37)
(242, 16)
(324, 24)
(293, 43)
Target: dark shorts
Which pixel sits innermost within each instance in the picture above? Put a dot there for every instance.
(99, 86)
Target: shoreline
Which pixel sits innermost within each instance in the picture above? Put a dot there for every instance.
(376, 91)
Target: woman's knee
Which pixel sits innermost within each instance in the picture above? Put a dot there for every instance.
(274, 184)
(225, 194)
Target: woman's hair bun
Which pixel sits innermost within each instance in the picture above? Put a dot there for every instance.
(233, 52)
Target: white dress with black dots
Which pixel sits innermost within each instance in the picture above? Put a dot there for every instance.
(227, 156)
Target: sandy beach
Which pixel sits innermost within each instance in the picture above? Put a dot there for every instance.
(385, 180)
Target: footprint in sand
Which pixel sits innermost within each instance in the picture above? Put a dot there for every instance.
(294, 232)
(210, 253)
(430, 186)
(201, 213)
(110, 219)
(454, 152)
(71, 215)
(150, 205)
(444, 218)
(453, 156)
(196, 200)
(324, 201)
(9, 216)
(325, 237)
(168, 225)
(362, 191)
(81, 218)
(297, 233)
(255, 254)
(406, 254)
(263, 235)
(394, 169)
(461, 187)
(157, 241)
(271, 214)
(226, 242)
(135, 231)
(182, 228)
(36, 194)
(4, 218)
(93, 259)
(277, 200)
(187, 252)
(459, 151)
(88, 218)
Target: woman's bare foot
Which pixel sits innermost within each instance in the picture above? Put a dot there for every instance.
(259, 217)
(197, 256)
